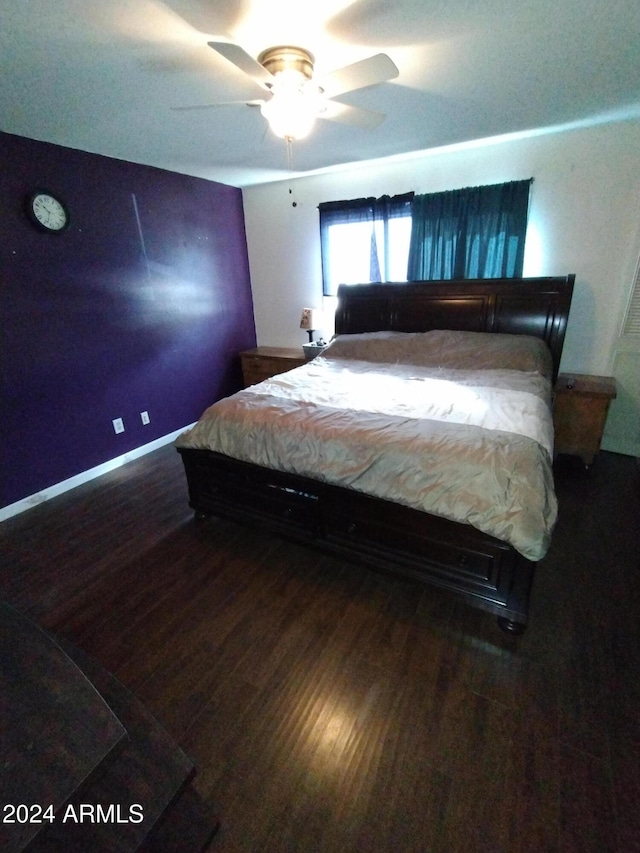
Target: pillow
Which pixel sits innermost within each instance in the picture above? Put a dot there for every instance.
(447, 348)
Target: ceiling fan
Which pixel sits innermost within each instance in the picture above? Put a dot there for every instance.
(294, 98)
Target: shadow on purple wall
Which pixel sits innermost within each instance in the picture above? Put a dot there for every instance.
(141, 305)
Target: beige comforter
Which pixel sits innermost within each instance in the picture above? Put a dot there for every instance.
(472, 445)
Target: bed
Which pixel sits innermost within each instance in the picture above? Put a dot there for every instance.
(419, 442)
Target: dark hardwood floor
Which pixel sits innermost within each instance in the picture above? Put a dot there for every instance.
(330, 708)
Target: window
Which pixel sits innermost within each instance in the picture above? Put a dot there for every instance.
(477, 232)
(364, 240)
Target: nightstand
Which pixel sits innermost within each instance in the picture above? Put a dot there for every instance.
(580, 407)
(264, 362)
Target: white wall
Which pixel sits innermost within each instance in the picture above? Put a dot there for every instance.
(584, 219)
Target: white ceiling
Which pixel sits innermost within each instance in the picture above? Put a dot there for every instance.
(103, 76)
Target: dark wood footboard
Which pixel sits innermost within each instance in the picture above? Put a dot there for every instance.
(486, 572)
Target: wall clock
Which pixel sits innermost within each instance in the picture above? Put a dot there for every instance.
(47, 212)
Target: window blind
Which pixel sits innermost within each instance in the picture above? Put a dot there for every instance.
(632, 320)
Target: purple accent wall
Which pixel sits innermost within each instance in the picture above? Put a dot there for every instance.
(141, 305)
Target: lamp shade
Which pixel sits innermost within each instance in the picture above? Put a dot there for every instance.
(309, 319)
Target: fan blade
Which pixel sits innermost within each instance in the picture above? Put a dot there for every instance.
(367, 72)
(257, 103)
(242, 60)
(355, 116)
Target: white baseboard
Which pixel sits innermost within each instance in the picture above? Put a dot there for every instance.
(86, 476)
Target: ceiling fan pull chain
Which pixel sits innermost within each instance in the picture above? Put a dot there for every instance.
(289, 142)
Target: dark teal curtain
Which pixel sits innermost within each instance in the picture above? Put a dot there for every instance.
(373, 210)
(477, 232)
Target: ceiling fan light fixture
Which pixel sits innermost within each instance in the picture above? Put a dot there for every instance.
(291, 112)
(294, 98)
(294, 104)
(287, 60)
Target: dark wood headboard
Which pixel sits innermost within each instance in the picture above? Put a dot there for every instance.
(521, 306)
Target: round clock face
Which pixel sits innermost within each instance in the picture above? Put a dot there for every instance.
(48, 212)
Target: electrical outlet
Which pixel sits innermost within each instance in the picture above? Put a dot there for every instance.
(118, 425)
(144, 417)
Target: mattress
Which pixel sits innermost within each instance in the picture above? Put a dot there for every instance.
(457, 424)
